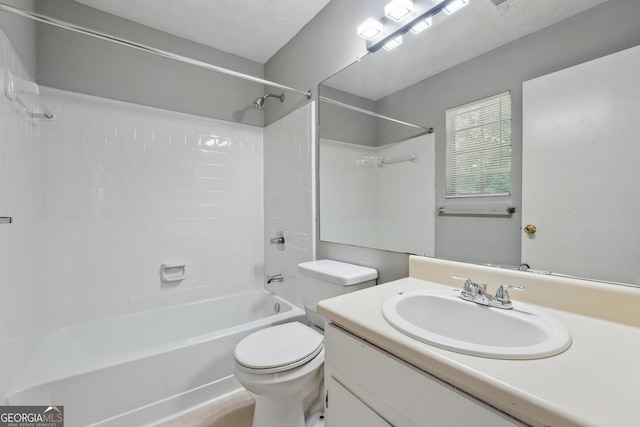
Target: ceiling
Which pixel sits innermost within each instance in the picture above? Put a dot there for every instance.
(257, 29)
(253, 29)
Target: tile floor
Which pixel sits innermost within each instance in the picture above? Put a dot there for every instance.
(234, 410)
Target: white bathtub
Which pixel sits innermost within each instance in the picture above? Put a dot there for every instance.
(141, 368)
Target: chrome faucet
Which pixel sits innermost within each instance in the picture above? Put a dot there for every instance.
(275, 278)
(501, 298)
(478, 293)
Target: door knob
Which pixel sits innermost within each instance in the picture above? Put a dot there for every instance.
(530, 229)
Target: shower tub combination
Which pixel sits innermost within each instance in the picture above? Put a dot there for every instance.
(142, 368)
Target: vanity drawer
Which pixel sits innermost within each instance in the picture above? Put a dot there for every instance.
(347, 410)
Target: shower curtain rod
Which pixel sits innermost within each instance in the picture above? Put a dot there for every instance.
(371, 113)
(82, 30)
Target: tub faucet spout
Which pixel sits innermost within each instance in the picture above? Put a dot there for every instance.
(275, 278)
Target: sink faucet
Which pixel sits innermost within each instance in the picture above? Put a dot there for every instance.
(478, 293)
(473, 291)
(275, 278)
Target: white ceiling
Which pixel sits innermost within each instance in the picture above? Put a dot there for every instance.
(253, 29)
(257, 29)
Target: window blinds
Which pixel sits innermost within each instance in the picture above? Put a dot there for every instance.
(478, 148)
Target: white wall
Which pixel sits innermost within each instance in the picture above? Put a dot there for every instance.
(20, 296)
(289, 194)
(126, 188)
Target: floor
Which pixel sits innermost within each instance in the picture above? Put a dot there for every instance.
(233, 410)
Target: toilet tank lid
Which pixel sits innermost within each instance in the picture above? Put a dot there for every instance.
(337, 272)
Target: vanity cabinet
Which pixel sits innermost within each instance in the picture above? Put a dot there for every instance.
(366, 386)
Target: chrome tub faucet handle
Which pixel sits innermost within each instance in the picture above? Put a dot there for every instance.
(278, 240)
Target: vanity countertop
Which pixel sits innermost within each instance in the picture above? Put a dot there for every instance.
(596, 382)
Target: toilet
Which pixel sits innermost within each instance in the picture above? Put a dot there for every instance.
(283, 365)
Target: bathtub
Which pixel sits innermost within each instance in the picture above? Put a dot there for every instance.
(142, 368)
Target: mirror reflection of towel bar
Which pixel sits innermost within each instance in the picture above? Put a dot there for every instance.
(477, 212)
(413, 157)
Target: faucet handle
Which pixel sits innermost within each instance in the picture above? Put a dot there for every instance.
(470, 290)
(466, 279)
(501, 298)
(468, 284)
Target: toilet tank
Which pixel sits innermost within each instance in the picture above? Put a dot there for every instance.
(327, 278)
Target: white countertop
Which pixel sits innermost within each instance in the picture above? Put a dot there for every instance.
(596, 382)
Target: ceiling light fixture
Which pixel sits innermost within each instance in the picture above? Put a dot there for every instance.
(397, 10)
(393, 43)
(370, 29)
(417, 16)
(455, 6)
(422, 25)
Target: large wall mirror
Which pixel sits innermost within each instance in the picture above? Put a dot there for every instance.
(386, 105)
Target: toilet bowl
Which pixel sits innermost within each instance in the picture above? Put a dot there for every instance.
(282, 366)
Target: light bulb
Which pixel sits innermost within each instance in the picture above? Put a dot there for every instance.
(422, 25)
(369, 29)
(393, 43)
(397, 10)
(455, 6)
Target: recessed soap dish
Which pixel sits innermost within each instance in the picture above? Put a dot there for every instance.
(173, 272)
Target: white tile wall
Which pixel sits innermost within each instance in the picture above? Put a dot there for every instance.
(406, 190)
(361, 202)
(289, 191)
(126, 188)
(20, 296)
(108, 191)
(348, 194)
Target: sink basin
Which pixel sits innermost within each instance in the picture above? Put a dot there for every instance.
(442, 319)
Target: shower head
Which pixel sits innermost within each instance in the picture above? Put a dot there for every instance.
(259, 102)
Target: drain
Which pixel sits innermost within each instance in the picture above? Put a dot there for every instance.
(276, 307)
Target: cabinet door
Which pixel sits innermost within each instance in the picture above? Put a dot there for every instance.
(395, 391)
(344, 409)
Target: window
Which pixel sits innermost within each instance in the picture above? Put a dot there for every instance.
(478, 150)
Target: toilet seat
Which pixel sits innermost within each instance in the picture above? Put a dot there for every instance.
(278, 348)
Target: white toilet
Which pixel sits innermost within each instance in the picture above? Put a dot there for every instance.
(283, 365)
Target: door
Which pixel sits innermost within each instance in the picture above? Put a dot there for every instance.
(581, 169)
